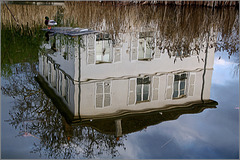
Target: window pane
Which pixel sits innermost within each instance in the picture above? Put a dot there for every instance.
(141, 49)
(145, 92)
(175, 85)
(148, 47)
(176, 88)
(139, 92)
(99, 50)
(182, 84)
(183, 76)
(66, 89)
(175, 94)
(99, 88)
(139, 81)
(146, 80)
(106, 87)
(143, 80)
(176, 77)
(181, 92)
(99, 100)
(107, 100)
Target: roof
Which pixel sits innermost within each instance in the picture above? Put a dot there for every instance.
(70, 31)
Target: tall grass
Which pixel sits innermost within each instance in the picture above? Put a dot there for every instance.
(180, 25)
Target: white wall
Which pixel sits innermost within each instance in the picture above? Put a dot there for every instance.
(119, 73)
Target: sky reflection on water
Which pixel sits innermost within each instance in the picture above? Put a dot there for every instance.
(208, 133)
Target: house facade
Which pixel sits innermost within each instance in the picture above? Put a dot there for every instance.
(101, 75)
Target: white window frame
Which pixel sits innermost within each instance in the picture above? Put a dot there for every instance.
(103, 94)
(142, 87)
(178, 86)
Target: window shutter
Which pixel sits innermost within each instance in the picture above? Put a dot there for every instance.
(132, 93)
(107, 55)
(63, 85)
(117, 55)
(91, 39)
(60, 82)
(99, 95)
(134, 46)
(191, 84)
(49, 71)
(149, 47)
(90, 58)
(169, 87)
(107, 97)
(67, 89)
(45, 66)
(134, 54)
(58, 42)
(141, 48)
(157, 52)
(155, 88)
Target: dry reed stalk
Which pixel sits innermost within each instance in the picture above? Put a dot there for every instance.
(174, 23)
(30, 15)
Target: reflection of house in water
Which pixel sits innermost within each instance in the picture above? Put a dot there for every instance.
(95, 76)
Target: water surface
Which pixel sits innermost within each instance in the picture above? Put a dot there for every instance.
(154, 82)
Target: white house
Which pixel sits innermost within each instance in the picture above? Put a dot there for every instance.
(99, 75)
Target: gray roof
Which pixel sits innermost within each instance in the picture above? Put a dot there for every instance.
(70, 31)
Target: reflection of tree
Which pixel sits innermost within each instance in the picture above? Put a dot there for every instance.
(18, 46)
(34, 114)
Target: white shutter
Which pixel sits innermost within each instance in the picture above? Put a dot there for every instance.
(60, 82)
(169, 86)
(191, 84)
(54, 76)
(157, 52)
(91, 39)
(91, 57)
(58, 42)
(133, 54)
(117, 54)
(155, 86)
(99, 95)
(107, 55)
(141, 48)
(45, 66)
(63, 85)
(107, 97)
(132, 92)
(134, 46)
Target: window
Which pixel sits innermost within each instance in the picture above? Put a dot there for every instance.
(146, 45)
(66, 88)
(179, 88)
(60, 83)
(143, 89)
(103, 97)
(103, 48)
(49, 72)
(145, 48)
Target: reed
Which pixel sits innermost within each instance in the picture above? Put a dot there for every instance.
(181, 25)
(26, 15)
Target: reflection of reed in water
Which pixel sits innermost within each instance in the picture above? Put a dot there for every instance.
(178, 27)
(31, 15)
